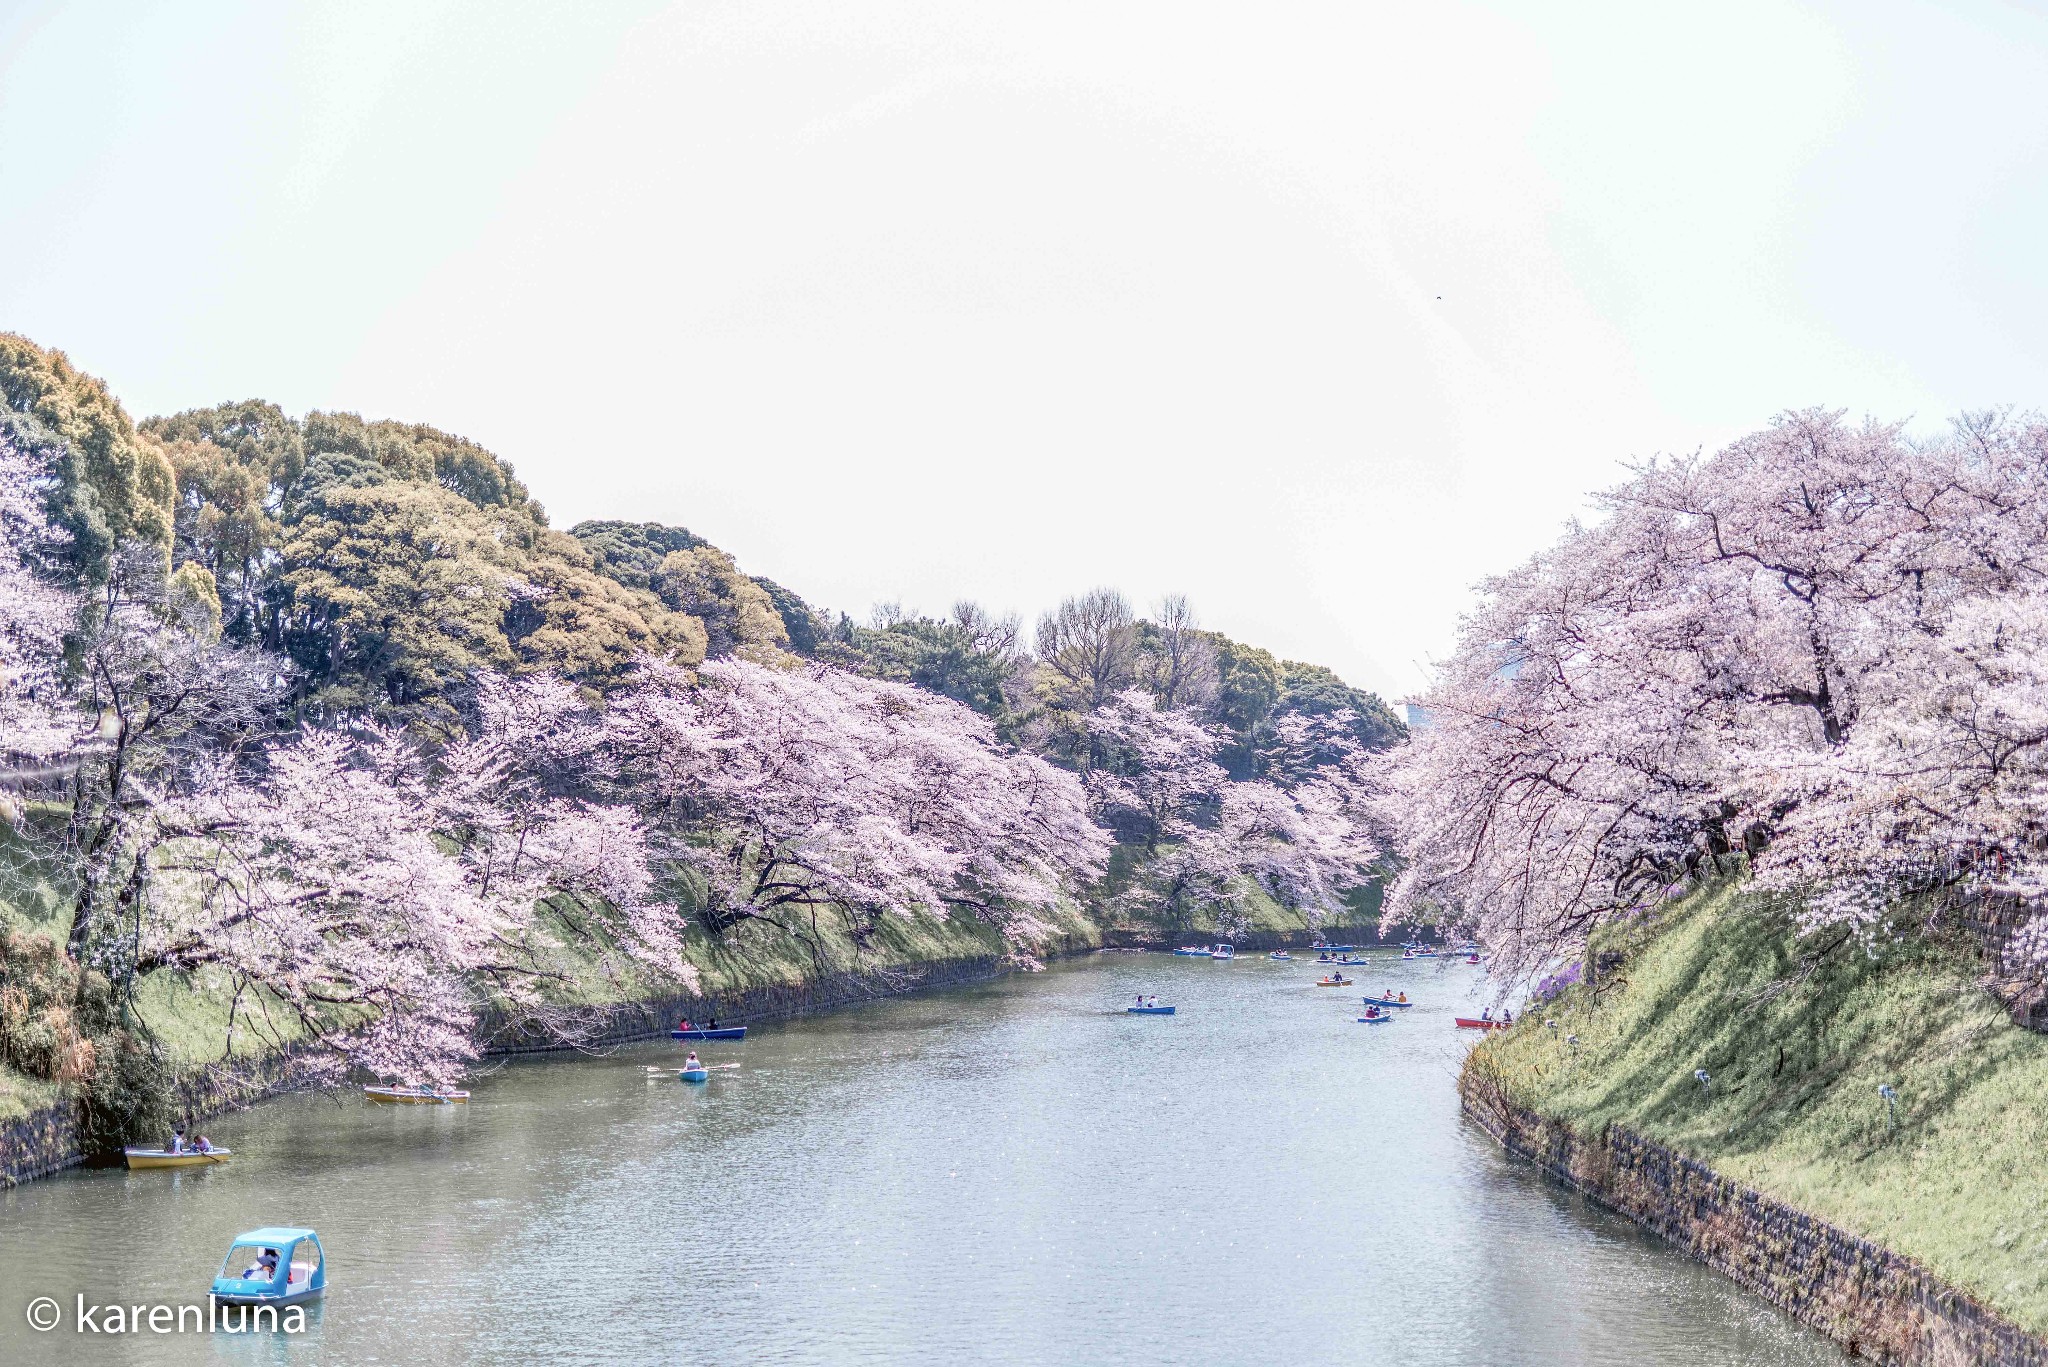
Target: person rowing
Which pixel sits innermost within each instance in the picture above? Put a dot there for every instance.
(692, 1063)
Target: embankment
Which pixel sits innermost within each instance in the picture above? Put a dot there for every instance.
(750, 979)
(1909, 1223)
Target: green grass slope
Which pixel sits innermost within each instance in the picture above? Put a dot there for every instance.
(1797, 1035)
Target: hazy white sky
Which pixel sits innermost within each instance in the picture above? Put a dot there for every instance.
(1317, 313)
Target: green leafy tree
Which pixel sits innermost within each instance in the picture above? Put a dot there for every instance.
(113, 486)
(1317, 691)
(973, 657)
(807, 627)
(419, 454)
(632, 552)
(393, 595)
(233, 463)
(736, 612)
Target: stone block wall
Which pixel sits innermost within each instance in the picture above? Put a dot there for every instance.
(51, 1139)
(1874, 1302)
(626, 1022)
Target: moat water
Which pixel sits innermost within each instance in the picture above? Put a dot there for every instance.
(1016, 1173)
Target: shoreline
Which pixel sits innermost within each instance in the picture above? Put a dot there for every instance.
(1872, 1301)
(45, 1142)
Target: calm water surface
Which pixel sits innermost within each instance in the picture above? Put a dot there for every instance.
(1017, 1173)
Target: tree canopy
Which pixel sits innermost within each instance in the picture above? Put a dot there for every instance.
(113, 487)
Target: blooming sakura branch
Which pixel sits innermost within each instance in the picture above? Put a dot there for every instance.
(1819, 650)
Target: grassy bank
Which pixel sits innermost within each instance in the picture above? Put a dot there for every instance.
(197, 1021)
(1797, 1034)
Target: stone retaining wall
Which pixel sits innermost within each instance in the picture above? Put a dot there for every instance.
(652, 1019)
(50, 1140)
(1876, 1303)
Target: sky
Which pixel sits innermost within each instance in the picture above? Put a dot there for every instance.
(1317, 313)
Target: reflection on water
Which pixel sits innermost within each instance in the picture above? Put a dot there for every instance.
(1017, 1173)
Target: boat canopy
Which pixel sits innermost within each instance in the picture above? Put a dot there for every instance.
(274, 1234)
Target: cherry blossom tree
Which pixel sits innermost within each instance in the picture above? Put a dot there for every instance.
(37, 724)
(375, 893)
(1812, 650)
(1210, 841)
(789, 791)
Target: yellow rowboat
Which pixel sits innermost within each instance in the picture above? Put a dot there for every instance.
(413, 1096)
(164, 1158)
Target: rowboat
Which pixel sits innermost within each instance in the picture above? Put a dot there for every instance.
(164, 1158)
(1374, 1020)
(1280, 954)
(413, 1096)
(1334, 982)
(727, 1032)
(1193, 951)
(1148, 1010)
(1386, 1001)
(694, 1074)
(1347, 961)
(1419, 954)
(1467, 1023)
(272, 1266)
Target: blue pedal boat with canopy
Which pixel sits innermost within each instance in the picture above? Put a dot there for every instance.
(272, 1266)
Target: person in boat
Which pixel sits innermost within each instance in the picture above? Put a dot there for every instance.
(263, 1269)
(713, 1025)
(693, 1061)
(1507, 1017)
(1486, 1014)
(202, 1145)
(177, 1144)
(1141, 1001)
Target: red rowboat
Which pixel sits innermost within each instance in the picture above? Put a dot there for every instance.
(1467, 1023)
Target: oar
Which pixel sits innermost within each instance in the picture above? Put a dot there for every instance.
(707, 1067)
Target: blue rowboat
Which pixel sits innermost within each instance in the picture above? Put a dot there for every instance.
(1148, 1010)
(1187, 953)
(272, 1266)
(1335, 949)
(729, 1032)
(1374, 1020)
(694, 1074)
(1385, 1001)
(1280, 954)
